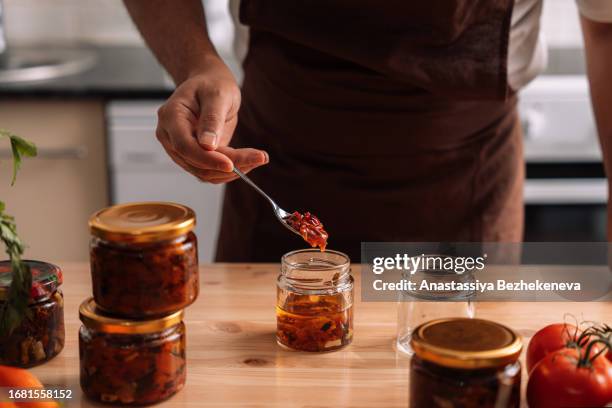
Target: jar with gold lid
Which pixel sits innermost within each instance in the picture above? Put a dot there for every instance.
(131, 362)
(40, 335)
(314, 302)
(462, 362)
(144, 259)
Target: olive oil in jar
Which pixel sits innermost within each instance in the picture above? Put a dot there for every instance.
(314, 308)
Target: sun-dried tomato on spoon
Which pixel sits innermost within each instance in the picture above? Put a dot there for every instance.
(307, 225)
(310, 228)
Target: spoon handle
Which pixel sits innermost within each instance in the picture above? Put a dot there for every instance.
(259, 190)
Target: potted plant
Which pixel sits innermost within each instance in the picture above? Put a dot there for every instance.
(15, 307)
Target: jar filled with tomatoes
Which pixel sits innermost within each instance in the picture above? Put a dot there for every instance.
(130, 362)
(314, 302)
(144, 259)
(462, 362)
(40, 335)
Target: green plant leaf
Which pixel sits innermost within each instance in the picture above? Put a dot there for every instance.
(21, 148)
(25, 147)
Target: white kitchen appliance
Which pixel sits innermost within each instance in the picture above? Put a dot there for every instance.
(559, 128)
(565, 189)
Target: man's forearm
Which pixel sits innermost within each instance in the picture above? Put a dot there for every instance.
(598, 45)
(176, 32)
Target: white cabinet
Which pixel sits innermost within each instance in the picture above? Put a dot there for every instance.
(140, 170)
(57, 191)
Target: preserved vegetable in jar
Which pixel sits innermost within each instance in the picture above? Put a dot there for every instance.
(144, 259)
(310, 228)
(40, 335)
(314, 323)
(463, 362)
(130, 362)
(314, 309)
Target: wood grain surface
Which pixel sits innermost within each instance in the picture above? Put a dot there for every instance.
(234, 361)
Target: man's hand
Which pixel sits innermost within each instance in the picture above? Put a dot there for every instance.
(197, 122)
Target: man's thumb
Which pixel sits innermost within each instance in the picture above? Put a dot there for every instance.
(211, 123)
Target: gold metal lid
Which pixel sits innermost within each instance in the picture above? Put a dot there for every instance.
(93, 318)
(142, 222)
(466, 343)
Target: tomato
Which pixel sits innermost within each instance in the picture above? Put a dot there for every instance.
(564, 379)
(310, 228)
(549, 339)
(13, 377)
(36, 291)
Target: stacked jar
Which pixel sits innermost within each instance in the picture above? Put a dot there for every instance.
(144, 270)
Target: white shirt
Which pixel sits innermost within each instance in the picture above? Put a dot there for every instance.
(526, 49)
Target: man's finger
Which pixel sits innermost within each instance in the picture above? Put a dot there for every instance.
(214, 108)
(183, 143)
(246, 157)
(212, 176)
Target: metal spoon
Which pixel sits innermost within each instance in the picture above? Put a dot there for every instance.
(281, 214)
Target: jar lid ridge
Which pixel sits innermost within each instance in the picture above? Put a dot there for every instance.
(93, 317)
(466, 343)
(141, 222)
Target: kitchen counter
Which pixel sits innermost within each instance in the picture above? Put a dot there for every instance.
(234, 361)
(119, 72)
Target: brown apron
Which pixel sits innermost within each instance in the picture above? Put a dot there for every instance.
(391, 121)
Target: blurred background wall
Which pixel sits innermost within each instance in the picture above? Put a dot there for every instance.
(100, 21)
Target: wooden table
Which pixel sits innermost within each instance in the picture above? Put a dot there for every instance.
(234, 361)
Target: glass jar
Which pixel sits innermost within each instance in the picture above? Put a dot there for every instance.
(132, 362)
(467, 363)
(144, 259)
(314, 301)
(40, 335)
(419, 306)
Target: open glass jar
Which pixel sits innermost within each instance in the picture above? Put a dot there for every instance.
(131, 362)
(314, 301)
(144, 259)
(461, 362)
(40, 335)
(418, 306)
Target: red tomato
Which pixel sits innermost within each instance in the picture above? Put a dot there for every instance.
(549, 339)
(562, 379)
(36, 291)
